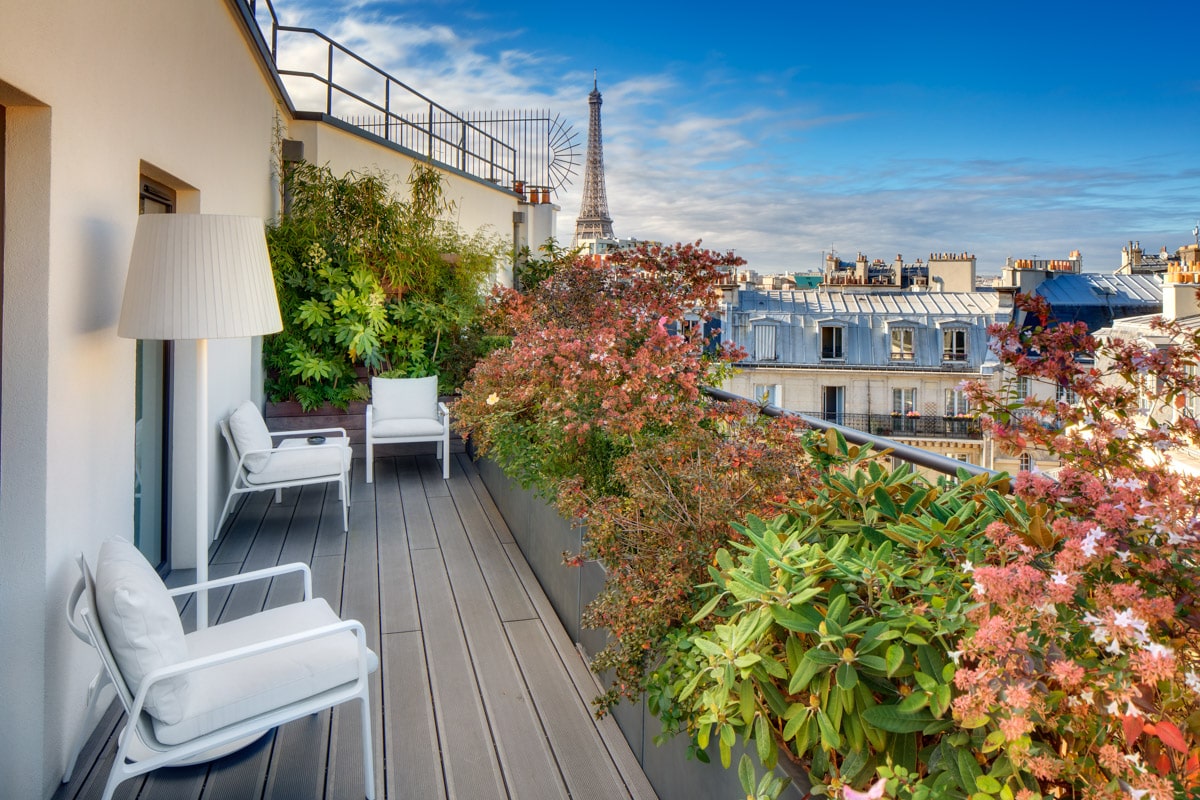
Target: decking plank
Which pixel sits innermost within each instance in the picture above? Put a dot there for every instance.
(360, 601)
(397, 593)
(414, 765)
(525, 755)
(468, 754)
(567, 721)
(499, 524)
(507, 591)
(417, 521)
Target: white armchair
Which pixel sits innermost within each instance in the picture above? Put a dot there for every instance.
(407, 410)
(260, 464)
(194, 697)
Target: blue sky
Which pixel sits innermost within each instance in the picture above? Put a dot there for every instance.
(784, 129)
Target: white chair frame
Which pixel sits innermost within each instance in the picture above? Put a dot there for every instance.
(240, 485)
(84, 622)
(442, 439)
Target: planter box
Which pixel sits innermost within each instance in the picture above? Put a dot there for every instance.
(543, 537)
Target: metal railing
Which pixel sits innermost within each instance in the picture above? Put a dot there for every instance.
(904, 452)
(949, 427)
(402, 115)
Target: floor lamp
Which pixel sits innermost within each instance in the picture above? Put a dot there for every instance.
(199, 277)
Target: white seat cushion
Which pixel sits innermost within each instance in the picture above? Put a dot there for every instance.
(250, 432)
(406, 428)
(141, 623)
(296, 460)
(238, 690)
(402, 398)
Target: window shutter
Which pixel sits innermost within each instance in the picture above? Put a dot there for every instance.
(764, 342)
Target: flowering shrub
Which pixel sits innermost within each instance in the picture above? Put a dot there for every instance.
(596, 403)
(1085, 650)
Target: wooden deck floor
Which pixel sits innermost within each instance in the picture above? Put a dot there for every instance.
(480, 692)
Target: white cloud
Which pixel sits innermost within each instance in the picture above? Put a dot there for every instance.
(683, 163)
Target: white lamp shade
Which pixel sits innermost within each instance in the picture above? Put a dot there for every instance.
(199, 276)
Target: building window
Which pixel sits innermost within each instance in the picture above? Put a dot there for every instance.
(1024, 387)
(903, 344)
(957, 404)
(764, 343)
(831, 342)
(954, 344)
(768, 394)
(833, 400)
(1026, 462)
(963, 457)
(1065, 394)
(904, 402)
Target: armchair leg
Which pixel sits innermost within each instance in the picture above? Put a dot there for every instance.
(368, 750)
(370, 460)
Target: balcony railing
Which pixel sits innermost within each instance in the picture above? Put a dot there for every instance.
(362, 92)
(905, 425)
(902, 451)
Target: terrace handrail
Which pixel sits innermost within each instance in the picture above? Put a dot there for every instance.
(904, 452)
(498, 155)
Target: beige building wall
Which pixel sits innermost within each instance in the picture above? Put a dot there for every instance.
(865, 391)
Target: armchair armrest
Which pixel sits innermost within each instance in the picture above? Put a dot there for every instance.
(258, 574)
(442, 410)
(307, 432)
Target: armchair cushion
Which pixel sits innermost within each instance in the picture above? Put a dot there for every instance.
(404, 398)
(250, 433)
(241, 689)
(142, 626)
(399, 428)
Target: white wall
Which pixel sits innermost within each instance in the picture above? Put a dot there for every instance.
(172, 84)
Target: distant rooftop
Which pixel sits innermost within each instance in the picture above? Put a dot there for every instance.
(867, 302)
(1098, 299)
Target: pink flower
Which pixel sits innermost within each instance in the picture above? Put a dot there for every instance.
(874, 793)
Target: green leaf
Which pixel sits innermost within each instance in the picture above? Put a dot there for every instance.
(764, 741)
(894, 659)
(891, 719)
(986, 783)
(847, 676)
(706, 609)
(885, 505)
(830, 739)
(746, 774)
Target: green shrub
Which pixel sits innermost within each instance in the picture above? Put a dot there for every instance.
(831, 632)
(370, 283)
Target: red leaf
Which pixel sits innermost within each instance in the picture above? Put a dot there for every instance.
(1133, 728)
(1162, 764)
(1171, 736)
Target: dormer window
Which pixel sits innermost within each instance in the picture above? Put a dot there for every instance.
(954, 344)
(831, 343)
(764, 343)
(903, 344)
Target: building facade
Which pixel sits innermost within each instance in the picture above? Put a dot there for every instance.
(871, 355)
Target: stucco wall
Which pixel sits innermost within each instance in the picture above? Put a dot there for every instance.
(118, 83)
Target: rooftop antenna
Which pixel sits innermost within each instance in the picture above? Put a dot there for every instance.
(1196, 232)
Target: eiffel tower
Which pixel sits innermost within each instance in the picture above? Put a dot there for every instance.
(593, 221)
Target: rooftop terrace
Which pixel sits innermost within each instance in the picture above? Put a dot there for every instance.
(480, 691)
